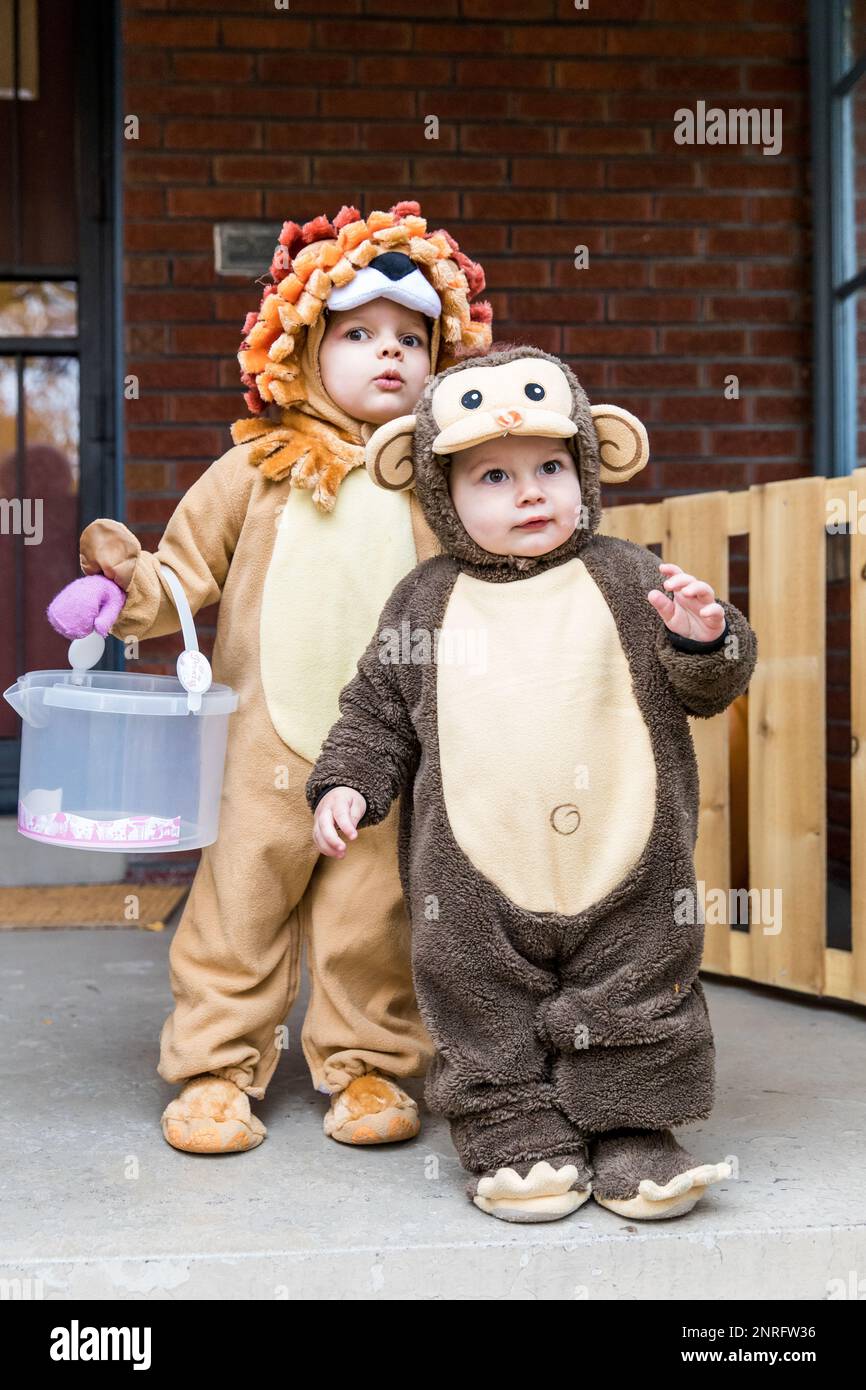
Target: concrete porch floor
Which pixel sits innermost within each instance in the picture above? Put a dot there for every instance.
(95, 1204)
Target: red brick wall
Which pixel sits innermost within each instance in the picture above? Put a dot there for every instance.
(557, 129)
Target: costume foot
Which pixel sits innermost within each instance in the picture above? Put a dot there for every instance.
(211, 1116)
(372, 1110)
(535, 1189)
(646, 1175)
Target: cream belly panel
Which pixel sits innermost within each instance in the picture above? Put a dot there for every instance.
(326, 585)
(548, 773)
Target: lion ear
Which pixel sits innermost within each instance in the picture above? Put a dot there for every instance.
(622, 443)
(388, 454)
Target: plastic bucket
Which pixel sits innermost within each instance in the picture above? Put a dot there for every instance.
(120, 762)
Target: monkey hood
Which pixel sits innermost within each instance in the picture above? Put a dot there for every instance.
(518, 390)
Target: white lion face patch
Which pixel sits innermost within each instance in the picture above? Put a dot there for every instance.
(527, 395)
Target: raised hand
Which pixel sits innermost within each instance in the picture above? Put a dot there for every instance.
(689, 607)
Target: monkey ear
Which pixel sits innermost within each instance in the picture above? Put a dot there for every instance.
(622, 443)
(388, 454)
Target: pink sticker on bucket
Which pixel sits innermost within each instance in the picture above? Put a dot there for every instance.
(63, 828)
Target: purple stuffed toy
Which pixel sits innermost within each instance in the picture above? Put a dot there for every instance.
(91, 604)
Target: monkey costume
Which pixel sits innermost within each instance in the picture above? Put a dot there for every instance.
(300, 548)
(555, 976)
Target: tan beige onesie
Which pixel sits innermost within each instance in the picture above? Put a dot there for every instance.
(299, 592)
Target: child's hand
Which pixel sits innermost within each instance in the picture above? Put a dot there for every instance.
(341, 807)
(689, 610)
(109, 548)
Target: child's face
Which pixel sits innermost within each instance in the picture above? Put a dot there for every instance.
(359, 345)
(518, 495)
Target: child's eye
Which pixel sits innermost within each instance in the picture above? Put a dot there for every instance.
(494, 474)
(415, 341)
(552, 465)
(355, 330)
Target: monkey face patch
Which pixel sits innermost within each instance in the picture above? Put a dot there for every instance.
(527, 395)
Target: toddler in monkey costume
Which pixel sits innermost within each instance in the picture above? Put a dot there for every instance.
(528, 693)
(301, 549)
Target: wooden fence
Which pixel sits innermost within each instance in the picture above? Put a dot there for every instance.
(786, 722)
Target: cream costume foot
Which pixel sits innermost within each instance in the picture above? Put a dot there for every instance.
(646, 1175)
(372, 1109)
(534, 1189)
(211, 1116)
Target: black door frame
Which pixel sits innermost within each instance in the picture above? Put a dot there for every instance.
(100, 301)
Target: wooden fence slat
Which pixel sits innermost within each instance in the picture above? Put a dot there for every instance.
(641, 522)
(786, 523)
(787, 771)
(696, 539)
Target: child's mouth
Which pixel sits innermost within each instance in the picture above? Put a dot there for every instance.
(535, 524)
(389, 383)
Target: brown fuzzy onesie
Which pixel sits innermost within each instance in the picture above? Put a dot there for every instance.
(547, 833)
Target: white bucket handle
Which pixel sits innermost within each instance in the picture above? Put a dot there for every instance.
(184, 612)
(193, 668)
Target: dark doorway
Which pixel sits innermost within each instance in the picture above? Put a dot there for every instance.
(59, 300)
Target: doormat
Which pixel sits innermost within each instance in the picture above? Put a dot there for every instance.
(66, 906)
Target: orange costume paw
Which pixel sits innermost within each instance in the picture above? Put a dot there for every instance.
(211, 1116)
(372, 1110)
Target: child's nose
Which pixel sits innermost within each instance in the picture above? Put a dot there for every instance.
(531, 491)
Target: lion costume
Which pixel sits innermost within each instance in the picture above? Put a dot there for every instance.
(301, 549)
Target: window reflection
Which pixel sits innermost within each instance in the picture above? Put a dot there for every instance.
(28, 49)
(39, 521)
(51, 405)
(38, 309)
(8, 422)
